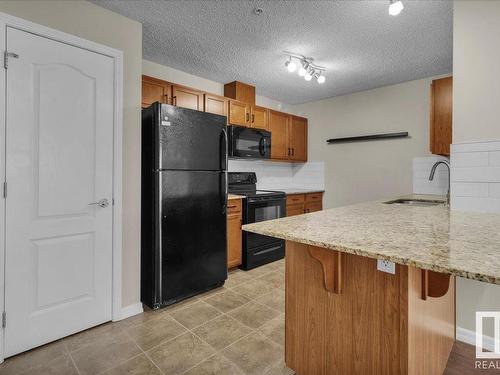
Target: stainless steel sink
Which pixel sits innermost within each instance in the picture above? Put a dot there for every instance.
(416, 202)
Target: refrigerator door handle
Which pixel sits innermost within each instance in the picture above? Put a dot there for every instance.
(223, 191)
(223, 151)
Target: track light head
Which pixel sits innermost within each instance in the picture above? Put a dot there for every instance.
(320, 78)
(395, 7)
(303, 69)
(309, 74)
(290, 65)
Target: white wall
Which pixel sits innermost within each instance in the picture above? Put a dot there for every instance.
(476, 114)
(94, 23)
(476, 76)
(362, 171)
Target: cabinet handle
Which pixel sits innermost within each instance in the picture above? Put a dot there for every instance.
(253, 118)
(293, 151)
(288, 151)
(233, 206)
(174, 100)
(248, 116)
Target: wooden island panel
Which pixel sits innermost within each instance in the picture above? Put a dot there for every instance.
(377, 324)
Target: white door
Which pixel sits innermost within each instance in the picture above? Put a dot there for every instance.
(59, 159)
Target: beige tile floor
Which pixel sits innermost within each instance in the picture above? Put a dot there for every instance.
(235, 330)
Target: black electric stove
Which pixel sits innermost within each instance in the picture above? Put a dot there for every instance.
(258, 205)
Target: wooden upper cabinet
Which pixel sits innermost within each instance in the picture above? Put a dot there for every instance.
(259, 117)
(298, 138)
(239, 113)
(441, 116)
(278, 126)
(216, 104)
(154, 90)
(240, 91)
(187, 98)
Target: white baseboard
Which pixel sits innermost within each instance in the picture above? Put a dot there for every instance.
(469, 337)
(131, 310)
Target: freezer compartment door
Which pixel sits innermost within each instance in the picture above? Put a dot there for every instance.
(193, 232)
(192, 140)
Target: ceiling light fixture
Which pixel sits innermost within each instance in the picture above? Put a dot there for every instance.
(307, 68)
(395, 7)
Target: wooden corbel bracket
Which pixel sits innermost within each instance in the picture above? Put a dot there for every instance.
(434, 284)
(331, 262)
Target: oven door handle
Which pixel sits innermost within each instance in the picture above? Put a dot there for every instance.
(268, 250)
(272, 200)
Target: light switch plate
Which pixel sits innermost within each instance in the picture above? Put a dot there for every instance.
(386, 266)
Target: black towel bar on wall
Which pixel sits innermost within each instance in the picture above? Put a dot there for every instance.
(371, 137)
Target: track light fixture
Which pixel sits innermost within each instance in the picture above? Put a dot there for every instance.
(307, 68)
(395, 7)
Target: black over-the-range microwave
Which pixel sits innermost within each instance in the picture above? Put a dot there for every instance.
(250, 143)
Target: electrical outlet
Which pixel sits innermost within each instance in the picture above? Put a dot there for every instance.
(386, 266)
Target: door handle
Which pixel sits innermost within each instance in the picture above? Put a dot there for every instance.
(103, 203)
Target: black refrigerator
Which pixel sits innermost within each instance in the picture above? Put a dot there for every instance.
(184, 200)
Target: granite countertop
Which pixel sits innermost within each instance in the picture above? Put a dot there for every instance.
(299, 191)
(432, 237)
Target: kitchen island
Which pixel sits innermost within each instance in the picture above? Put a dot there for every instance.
(343, 316)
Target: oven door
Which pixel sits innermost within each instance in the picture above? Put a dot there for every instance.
(262, 209)
(249, 143)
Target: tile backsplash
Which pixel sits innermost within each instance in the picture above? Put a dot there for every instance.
(422, 168)
(475, 176)
(277, 175)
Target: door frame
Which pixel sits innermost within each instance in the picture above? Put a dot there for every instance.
(7, 20)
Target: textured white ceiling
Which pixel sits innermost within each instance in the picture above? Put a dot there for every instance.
(360, 44)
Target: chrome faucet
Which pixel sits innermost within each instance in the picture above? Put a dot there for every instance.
(431, 177)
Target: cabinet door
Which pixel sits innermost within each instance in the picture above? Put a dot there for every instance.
(215, 104)
(441, 116)
(154, 90)
(239, 113)
(298, 138)
(278, 126)
(187, 98)
(294, 209)
(313, 206)
(234, 256)
(259, 118)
